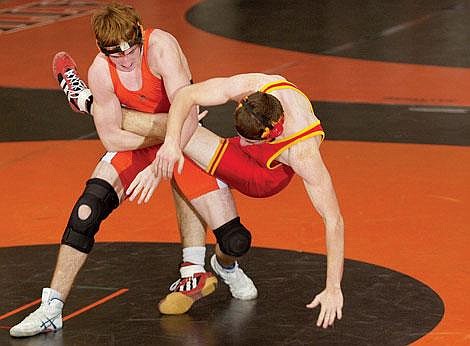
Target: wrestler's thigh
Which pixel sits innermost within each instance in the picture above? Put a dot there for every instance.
(202, 146)
(107, 172)
(216, 207)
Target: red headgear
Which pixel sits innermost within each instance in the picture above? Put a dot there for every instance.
(275, 130)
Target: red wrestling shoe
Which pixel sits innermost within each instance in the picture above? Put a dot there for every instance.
(79, 96)
(186, 291)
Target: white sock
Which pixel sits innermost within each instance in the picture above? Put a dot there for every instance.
(195, 255)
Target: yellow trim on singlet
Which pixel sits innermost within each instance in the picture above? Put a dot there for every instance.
(218, 154)
(310, 135)
(280, 87)
(223, 144)
(269, 87)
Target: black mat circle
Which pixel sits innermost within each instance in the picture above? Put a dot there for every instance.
(382, 306)
(417, 32)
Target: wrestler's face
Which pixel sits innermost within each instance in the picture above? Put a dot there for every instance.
(128, 60)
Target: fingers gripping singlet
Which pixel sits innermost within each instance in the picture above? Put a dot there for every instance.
(252, 169)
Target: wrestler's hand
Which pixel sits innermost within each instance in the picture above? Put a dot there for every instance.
(331, 301)
(168, 154)
(144, 183)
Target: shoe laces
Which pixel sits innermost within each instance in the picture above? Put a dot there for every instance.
(184, 284)
(74, 84)
(174, 285)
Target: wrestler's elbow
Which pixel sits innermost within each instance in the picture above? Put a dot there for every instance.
(111, 143)
(110, 146)
(181, 93)
(187, 95)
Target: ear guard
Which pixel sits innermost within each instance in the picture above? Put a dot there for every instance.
(275, 130)
(123, 46)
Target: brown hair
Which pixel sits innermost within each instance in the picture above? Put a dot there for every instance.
(114, 23)
(256, 112)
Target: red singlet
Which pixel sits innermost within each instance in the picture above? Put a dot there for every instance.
(252, 169)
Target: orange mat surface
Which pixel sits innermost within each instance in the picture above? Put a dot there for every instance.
(405, 206)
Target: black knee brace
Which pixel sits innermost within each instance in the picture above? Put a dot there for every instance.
(100, 196)
(233, 238)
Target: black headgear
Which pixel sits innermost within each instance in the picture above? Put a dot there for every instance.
(123, 45)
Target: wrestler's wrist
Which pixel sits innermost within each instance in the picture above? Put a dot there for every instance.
(332, 286)
(172, 140)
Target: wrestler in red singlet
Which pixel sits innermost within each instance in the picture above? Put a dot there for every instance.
(252, 169)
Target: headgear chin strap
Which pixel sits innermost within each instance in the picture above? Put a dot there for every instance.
(276, 129)
(123, 46)
(272, 129)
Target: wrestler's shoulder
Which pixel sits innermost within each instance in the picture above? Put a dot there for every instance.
(99, 70)
(161, 39)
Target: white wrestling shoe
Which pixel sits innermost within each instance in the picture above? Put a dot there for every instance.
(241, 286)
(46, 318)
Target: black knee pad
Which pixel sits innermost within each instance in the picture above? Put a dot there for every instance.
(233, 238)
(100, 196)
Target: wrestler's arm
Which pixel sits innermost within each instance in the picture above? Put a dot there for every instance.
(211, 92)
(107, 113)
(305, 159)
(167, 59)
(235, 88)
(214, 91)
(144, 124)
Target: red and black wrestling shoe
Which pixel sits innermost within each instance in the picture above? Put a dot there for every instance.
(79, 96)
(186, 291)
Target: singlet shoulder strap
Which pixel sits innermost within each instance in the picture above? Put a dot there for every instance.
(147, 33)
(315, 129)
(280, 84)
(283, 84)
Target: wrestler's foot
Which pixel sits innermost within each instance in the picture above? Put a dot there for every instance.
(186, 291)
(46, 318)
(76, 90)
(241, 286)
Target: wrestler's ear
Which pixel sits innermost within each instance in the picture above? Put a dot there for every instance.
(98, 46)
(141, 28)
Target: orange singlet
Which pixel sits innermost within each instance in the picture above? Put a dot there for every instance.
(152, 98)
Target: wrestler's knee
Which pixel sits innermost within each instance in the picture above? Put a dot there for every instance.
(98, 200)
(233, 238)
